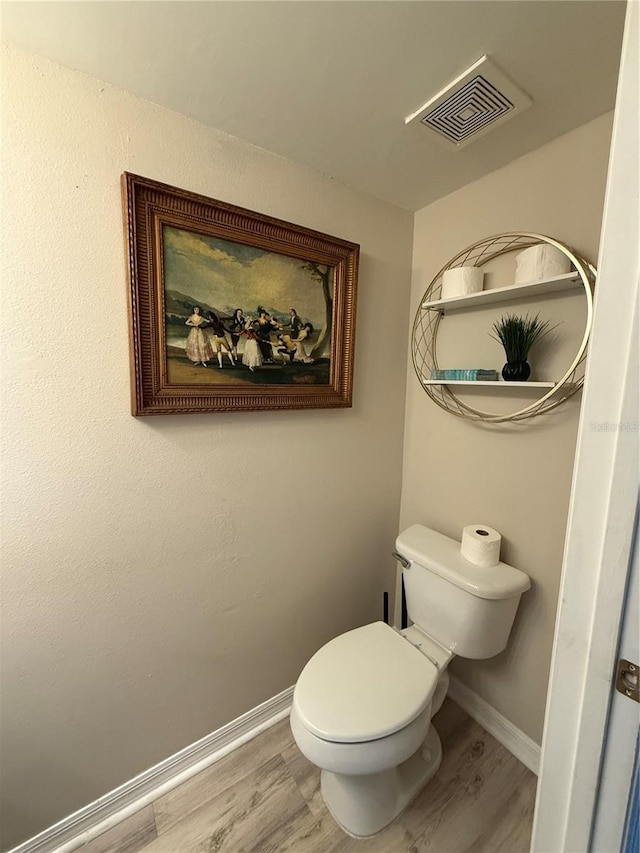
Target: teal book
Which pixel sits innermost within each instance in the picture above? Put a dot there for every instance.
(465, 375)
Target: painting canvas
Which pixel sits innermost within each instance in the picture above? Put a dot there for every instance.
(239, 314)
(233, 310)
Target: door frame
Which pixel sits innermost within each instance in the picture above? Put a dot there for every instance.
(603, 503)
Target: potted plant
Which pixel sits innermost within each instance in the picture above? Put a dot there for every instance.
(518, 335)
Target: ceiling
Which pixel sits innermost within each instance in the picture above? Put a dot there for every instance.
(328, 84)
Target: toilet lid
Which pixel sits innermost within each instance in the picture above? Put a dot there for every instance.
(364, 685)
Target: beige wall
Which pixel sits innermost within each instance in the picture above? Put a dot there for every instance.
(515, 478)
(162, 576)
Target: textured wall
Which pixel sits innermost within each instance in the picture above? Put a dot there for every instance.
(162, 576)
(514, 477)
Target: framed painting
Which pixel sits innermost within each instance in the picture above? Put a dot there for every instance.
(231, 310)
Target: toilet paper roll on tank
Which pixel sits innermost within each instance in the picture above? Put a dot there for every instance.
(481, 545)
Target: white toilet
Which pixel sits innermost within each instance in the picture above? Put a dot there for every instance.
(362, 706)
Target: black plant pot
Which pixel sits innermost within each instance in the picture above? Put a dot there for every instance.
(516, 371)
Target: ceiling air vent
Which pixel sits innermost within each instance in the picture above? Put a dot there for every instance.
(473, 104)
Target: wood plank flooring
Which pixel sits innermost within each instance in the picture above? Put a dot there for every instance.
(265, 798)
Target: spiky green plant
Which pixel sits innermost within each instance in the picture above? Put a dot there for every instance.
(518, 334)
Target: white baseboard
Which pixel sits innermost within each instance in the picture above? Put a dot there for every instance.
(92, 820)
(517, 742)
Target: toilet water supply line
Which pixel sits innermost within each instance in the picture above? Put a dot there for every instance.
(404, 619)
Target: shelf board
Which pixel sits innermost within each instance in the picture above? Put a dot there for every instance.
(492, 383)
(502, 294)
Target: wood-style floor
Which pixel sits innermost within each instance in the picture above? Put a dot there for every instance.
(265, 798)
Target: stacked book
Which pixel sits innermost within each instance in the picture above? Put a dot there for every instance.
(472, 375)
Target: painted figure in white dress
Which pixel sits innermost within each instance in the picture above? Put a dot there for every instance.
(198, 346)
(251, 357)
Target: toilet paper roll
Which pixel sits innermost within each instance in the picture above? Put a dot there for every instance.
(460, 281)
(542, 261)
(481, 545)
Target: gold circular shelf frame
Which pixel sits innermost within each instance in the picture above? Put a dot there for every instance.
(427, 322)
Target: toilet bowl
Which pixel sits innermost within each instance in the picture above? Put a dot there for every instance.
(362, 712)
(363, 704)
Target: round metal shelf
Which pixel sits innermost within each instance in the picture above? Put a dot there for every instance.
(428, 318)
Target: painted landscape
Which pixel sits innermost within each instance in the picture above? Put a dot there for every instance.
(243, 315)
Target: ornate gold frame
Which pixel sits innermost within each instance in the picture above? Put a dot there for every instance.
(148, 205)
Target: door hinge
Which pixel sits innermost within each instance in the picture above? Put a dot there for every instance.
(627, 679)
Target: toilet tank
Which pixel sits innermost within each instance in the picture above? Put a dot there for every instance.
(464, 607)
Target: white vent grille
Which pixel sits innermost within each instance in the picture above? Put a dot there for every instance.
(476, 102)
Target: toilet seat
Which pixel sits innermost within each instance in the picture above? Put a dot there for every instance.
(364, 685)
(366, 757)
